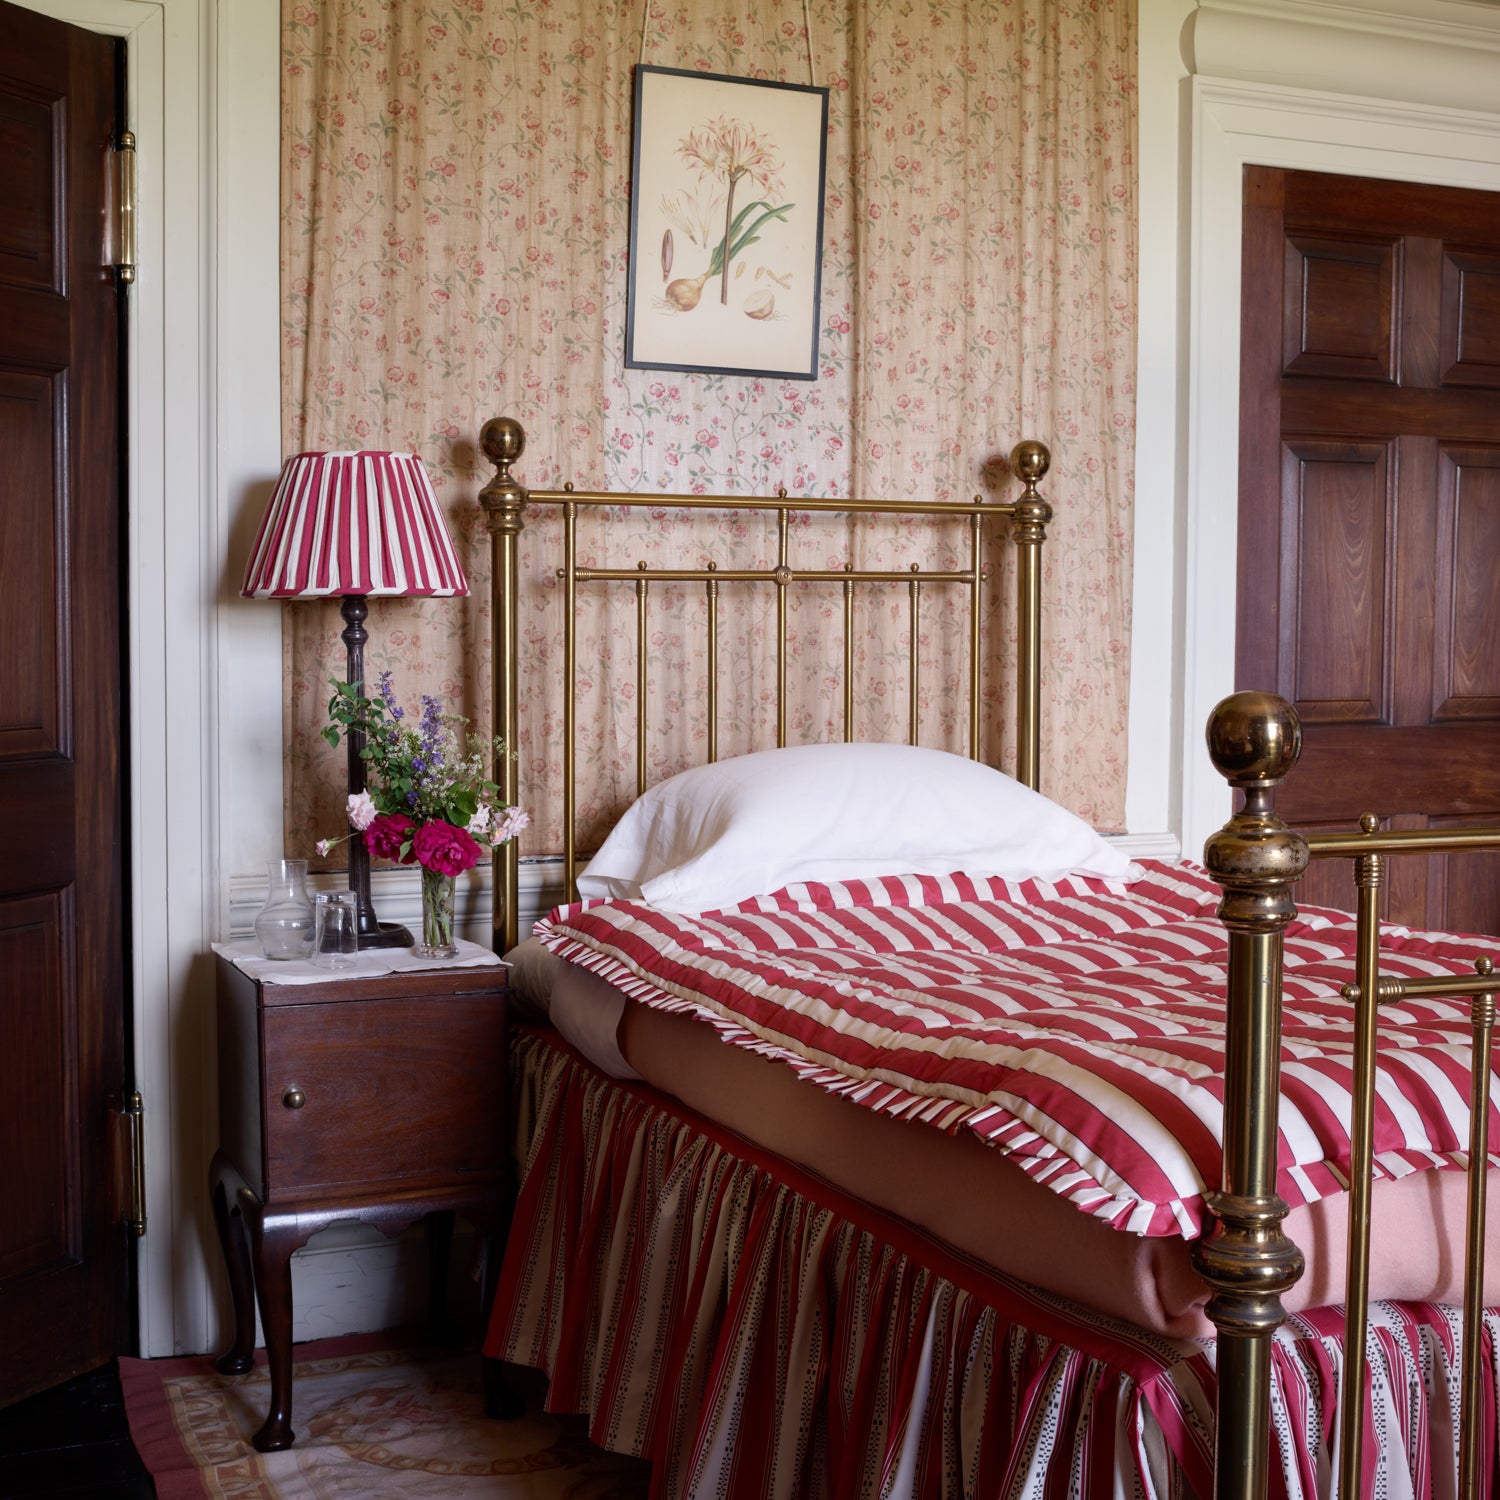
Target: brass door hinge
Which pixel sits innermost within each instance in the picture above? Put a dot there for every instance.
(133, 1164)
(122, 183)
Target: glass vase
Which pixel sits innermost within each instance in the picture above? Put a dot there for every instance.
(437, 916)
(284, 925)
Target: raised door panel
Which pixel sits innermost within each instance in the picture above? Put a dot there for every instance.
(37, 1231)
(1471, 320)
(31, 521)
(1337, 510)
(1464, 891)
(32, 122)
(1466, 661)
(1340, 308)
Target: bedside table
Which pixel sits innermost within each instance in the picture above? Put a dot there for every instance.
(378, 1097)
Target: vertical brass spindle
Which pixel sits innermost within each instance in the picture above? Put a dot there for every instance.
(1368, 874)
(848, 655)
(1482, 1022)
(713, 666)
(570, 680)
(976, 534)
(504, 503)
(783, 577)
(915, 690)
(640, 682)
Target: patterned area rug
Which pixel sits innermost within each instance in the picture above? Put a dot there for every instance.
(373, 1418)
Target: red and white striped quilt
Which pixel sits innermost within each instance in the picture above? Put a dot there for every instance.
(1075, 1025)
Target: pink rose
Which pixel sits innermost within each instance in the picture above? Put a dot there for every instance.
(385, 836)
(444, 849)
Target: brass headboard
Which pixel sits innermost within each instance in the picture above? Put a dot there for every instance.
(505, 500)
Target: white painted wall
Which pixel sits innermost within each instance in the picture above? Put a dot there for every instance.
(1379, 87)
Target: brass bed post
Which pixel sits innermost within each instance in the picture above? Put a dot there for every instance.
(504, 500)
(1029, 461)
(1253, 740)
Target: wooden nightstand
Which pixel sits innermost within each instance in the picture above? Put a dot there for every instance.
(379, 1098)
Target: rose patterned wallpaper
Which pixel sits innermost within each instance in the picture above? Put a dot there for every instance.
(456, 211)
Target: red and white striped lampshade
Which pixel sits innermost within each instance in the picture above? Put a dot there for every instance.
(353, 523)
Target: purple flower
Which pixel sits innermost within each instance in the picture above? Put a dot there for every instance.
(388, 695)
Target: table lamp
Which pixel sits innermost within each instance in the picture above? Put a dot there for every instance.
(354, 525)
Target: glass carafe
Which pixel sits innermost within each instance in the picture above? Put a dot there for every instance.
(284, 927)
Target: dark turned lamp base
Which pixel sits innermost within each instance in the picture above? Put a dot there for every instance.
(387, 935)
(372, 933)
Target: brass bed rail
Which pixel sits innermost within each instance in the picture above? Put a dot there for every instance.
(504, 500)
(1254, 740)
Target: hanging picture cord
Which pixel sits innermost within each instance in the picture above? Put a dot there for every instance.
(812, 76)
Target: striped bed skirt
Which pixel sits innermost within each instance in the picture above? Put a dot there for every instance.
(755, 1333)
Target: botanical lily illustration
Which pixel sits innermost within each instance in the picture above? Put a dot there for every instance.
(727, 150)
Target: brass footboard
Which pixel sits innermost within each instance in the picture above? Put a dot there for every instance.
(1254, 740)
(505, 499)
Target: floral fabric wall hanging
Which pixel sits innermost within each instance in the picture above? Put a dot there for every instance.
(456, 222)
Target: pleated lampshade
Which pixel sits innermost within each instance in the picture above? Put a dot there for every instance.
(359, 523)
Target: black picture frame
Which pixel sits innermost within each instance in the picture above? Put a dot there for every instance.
(703, 143)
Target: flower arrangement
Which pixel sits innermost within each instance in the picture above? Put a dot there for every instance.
(430, 802)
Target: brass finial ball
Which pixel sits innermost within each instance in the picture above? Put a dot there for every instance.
(502, 439)
(1254, 737)
(1030, 460)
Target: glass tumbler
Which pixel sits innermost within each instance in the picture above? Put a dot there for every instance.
(336, 935)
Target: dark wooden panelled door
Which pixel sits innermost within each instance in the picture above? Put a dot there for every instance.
(1369, 543)
(62, 1259)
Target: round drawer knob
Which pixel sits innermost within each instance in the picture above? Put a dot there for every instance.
(294, 1098)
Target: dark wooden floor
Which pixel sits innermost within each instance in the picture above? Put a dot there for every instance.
(72, 1441)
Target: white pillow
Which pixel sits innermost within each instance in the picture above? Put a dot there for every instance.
(715, 835)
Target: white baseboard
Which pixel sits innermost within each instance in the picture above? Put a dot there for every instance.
(1146, 845)
(354, 1279)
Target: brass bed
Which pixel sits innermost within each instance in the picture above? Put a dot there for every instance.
(1245, 1258)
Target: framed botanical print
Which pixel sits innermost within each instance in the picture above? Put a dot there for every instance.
(726, 224)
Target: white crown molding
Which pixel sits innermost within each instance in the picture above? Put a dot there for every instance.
(1427, 55)
(1461, 23)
